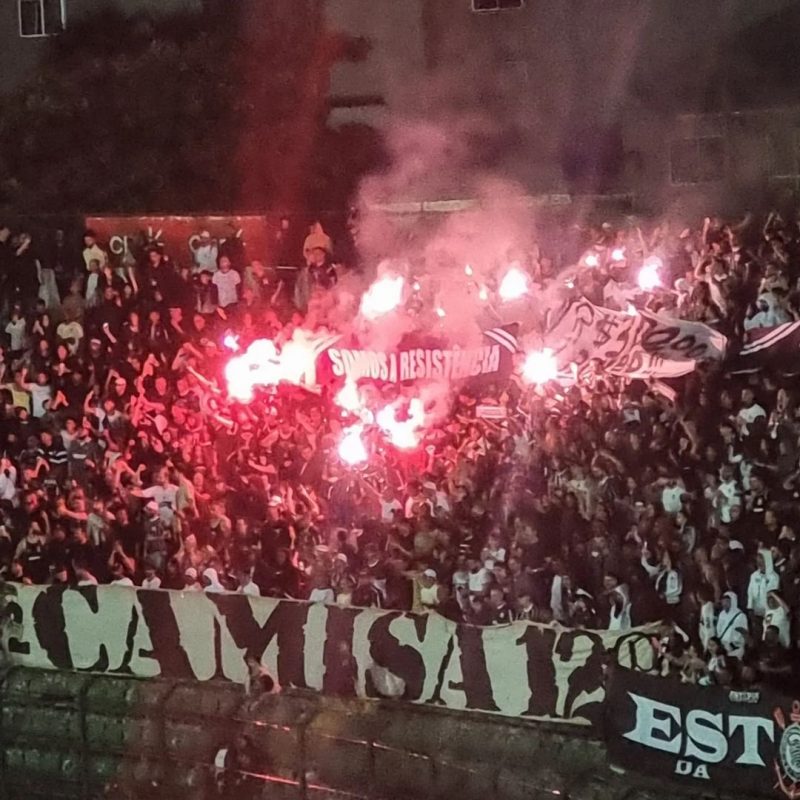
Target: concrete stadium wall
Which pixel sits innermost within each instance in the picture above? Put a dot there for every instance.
(79, 737)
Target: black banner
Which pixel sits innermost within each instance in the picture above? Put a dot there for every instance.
(776, 348)
(490, 358)
(737, 742)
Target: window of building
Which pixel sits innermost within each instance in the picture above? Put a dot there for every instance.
(698, 160)
(784, 154)
(41, 17)
(496, 5)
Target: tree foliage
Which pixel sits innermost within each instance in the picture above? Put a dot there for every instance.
(190, 111)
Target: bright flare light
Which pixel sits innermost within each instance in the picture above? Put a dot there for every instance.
(263, 365)
(352, 449)
(440, 312)
(240, 384)
(514, 284)
(592, 260)
(405, 434)
(649, 279)
(540, 367)
(348, 398)
(483, 294)
(231, 341)
(618, 254)
(259, 365)
(383, 296)
(468, 271)
(297, 358)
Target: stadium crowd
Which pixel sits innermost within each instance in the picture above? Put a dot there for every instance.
(605, 506)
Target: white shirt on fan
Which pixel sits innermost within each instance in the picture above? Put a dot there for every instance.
(227, 287)
(747, 416)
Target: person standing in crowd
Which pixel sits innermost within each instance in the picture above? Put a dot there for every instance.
(205, 254)
(732, 626)
(92, 251)
(763, 581)
(227, 281)
(233, 247)
(317, 239)
(321, 270)
(25, 272)
(619, 604)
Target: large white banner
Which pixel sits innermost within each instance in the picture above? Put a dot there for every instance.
(635, 345)
(519, 670)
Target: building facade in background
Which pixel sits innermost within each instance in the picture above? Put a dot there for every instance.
(26, 26)
(640, 97)
(586, 97)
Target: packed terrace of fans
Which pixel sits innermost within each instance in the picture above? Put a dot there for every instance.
(605, 505)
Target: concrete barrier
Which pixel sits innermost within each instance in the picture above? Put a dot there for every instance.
(82, 737)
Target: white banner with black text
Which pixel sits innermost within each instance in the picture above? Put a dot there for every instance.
(636, 345)
(519, 670)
